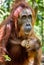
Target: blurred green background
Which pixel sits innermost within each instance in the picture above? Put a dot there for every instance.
(38, 5)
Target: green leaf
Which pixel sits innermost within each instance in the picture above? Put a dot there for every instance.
(7, 58)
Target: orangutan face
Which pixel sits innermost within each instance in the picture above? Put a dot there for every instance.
(25, 21)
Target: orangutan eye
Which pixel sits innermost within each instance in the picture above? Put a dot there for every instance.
(24, 17)
(30, 16)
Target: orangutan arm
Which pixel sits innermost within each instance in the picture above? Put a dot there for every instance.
(37, 59)
(4, 36)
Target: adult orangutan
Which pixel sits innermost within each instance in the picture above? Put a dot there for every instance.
(17, 37)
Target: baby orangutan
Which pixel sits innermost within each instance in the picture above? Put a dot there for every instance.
(32, 47)
(17, 37)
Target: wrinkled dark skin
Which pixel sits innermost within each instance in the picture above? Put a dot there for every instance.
(18, 50)
(25, 19)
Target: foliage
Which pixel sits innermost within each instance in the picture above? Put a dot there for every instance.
(7, 58)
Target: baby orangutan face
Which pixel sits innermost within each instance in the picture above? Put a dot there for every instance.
(25, 22)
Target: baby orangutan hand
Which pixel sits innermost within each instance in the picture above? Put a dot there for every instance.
(30, 44)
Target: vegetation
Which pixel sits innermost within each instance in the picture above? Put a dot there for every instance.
(5, 8)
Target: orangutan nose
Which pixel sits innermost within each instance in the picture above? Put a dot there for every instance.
(27, 27)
